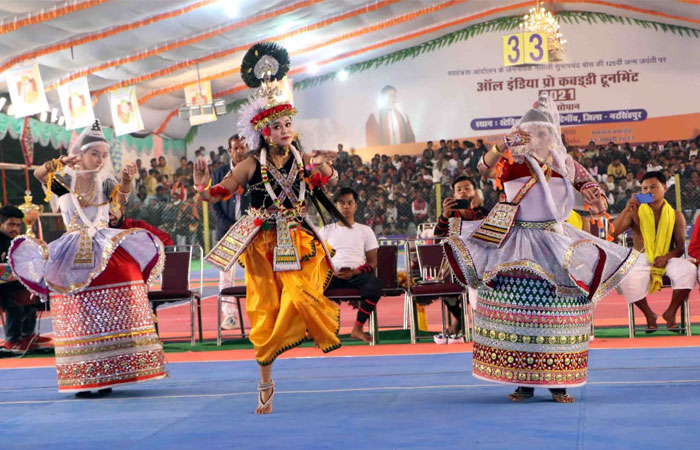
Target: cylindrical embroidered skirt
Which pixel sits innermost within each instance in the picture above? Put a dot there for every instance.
(104, 335)
(525, 334)
(283, 306)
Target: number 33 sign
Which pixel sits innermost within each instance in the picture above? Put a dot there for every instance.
(524, 48)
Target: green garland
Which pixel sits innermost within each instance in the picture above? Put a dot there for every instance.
(57, 136)
(498, 25)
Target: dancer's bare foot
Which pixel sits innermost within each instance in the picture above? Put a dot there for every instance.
(266, 392)
(670, 318)
(358, 333)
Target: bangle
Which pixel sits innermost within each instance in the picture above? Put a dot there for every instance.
(202, 187)
(497, 151)
(219, 191)
(589, 185)
(483, 161)
(317, 180)
(365, 268)
(53, 165)
(311, 166)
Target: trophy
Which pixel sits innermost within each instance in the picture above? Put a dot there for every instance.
(31, 213)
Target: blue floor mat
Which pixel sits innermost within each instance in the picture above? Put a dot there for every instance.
(634, 399)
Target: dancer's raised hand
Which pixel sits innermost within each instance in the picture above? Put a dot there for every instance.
(129, 171)
(323, 156)
(201, 172)
(70, 161)
(518, 137)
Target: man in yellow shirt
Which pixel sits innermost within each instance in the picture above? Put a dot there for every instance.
(616, 169)
(659, 232)
(164, 168)
(151, 182)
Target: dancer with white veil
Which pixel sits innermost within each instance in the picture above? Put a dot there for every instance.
(538, 277)
(96, 277)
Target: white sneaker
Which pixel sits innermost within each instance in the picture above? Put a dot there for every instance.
(455, 339)
(440, 339)
(229, 323)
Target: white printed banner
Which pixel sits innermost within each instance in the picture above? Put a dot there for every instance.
(76, 104)
(26, 89)
(199, 94)
(125, 111)
(619, 82)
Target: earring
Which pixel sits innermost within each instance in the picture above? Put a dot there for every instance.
(271, 143)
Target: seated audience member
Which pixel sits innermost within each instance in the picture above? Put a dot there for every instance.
(419, 207)
(355, 258)
(694, 247)
(463, 188)
(616, 169)
(659, 232)
(117, 219)
(20, 316)
(576, 220)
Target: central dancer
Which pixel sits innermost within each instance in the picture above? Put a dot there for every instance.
(287, 266)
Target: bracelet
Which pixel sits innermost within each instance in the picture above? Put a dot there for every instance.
(202, 188)
(334, 173)
(311, 166)
(589, 185)
(365, 268)
(483, 161)
(317, 180)
(219, 191)
(493, 149)
(53, 165)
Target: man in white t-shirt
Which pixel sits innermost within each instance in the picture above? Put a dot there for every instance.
(355, 257)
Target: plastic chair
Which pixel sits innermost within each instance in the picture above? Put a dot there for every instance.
(176, 284)
(684, 325)
(430, 258)
(238, 292)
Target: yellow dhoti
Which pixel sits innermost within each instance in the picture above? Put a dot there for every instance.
(282, 306)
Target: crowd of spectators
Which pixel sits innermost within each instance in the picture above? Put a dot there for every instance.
(402, 186)
(166, 198)
(398, 193)
(619, 169)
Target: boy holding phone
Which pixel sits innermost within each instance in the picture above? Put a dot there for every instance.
(659, 232)
(466, 204)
